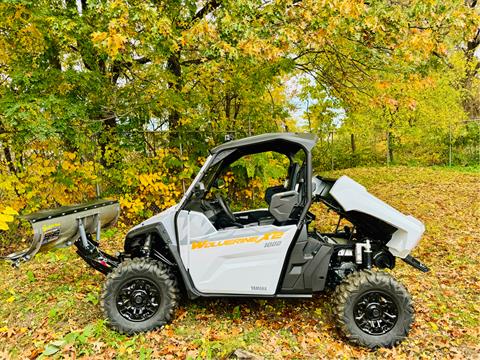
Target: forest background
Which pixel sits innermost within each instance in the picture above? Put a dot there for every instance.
(124, 99)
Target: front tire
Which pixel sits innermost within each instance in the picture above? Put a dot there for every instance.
(139, 295)
(372, 309)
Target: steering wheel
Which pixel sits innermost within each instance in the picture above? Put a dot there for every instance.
(226, 210)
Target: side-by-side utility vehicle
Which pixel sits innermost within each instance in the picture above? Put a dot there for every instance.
(204, 249)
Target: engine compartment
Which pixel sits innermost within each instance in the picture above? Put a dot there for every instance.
(320, 260)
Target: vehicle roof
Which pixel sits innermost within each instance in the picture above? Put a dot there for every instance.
(281, 142)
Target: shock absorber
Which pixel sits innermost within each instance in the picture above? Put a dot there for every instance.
(147, 246)
(360, 249)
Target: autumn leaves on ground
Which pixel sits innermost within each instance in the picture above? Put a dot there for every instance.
(49, 307)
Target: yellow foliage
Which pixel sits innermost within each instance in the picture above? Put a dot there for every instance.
(6, 216)
(99, 37)
(45, 181)
(50, 179)
(147, 193)
(113, 42)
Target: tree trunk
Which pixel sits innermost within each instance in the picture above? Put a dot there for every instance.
(173, 65)
(353, 146)
(228, 101)
(331, 149)
(389, 147)
(471, 103)
(107, 137)
(9, 158)
(236, 108)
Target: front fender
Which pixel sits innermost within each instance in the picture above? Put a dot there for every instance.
(138, 233)
(164, 249)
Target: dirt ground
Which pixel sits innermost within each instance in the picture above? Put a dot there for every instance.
(49, 307)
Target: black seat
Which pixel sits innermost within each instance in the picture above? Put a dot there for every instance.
(293, 172)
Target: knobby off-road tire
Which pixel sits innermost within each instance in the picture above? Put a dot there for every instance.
(139, 295)
(372, 309)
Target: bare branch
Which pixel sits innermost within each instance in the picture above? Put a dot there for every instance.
(208, 8)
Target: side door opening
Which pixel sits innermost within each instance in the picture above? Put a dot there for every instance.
(240, 248)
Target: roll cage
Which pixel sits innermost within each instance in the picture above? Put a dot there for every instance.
(288, 144)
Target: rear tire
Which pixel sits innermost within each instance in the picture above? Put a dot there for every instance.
(139, 295)
(372, 309)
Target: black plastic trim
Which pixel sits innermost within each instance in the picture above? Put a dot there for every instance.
(315, 275)
(314, 270)
(287, 257)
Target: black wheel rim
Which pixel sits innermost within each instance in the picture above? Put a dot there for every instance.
(138, 300)
(375, 313)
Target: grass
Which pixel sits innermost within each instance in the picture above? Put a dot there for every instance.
(49, 307)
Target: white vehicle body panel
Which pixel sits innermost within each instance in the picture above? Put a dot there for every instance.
(354, 197)
(245, 260)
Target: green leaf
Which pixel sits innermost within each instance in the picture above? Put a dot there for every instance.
(92, 298)
(236, 314)
(70, 337)
(30, 276)
(50, 349)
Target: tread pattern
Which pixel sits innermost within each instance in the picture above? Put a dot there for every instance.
(141, 267)
(351, 288)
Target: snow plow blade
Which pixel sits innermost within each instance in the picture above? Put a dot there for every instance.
(67, 225)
